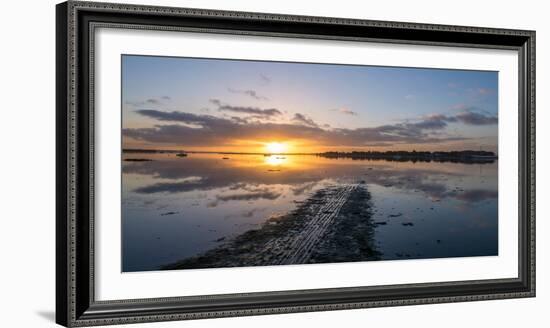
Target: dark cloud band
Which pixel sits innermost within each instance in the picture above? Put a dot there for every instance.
(210, 130)
(270, 112)
(250, 93)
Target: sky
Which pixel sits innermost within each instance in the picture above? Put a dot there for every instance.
(199, 104)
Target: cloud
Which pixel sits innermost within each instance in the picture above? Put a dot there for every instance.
(249, 196)
(211, 130)
(266, 113)
(467, 116)
(434, 122)
(240, 120)
(462, 108)
(304, 120)
(346, 111)
(149, 101)
(189, 129)
(265, 79)
(216, 102)
(473, 118)
(189, 118)
(201, 175)
(252, 194)
(303, 188)
(244, 183)
(171, 187)
(249, 92)
(244, 197)
(477, 195)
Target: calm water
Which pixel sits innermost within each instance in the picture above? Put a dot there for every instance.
(174, 208)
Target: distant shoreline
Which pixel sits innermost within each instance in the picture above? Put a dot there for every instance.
(464, 156)
(163, 151)
(461, 156)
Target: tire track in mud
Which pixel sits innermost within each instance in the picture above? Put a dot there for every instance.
(289, 239)
(299, 246)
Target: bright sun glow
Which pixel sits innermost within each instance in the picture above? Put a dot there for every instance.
(275, 147)
(275, 160)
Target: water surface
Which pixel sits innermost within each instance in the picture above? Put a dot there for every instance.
(177, 207)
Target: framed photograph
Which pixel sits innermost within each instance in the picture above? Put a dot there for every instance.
(214, 163)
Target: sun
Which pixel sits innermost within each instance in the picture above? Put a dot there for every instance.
(276, 147)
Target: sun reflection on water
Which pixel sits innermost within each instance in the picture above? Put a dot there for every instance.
(275, 160)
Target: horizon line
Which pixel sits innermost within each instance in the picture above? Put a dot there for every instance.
(295, 153)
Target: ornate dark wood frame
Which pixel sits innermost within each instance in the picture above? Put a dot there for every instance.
(76, 23)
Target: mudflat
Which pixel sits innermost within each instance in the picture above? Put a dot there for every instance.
(333, 225)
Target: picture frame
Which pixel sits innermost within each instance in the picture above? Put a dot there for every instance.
(76, 304)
